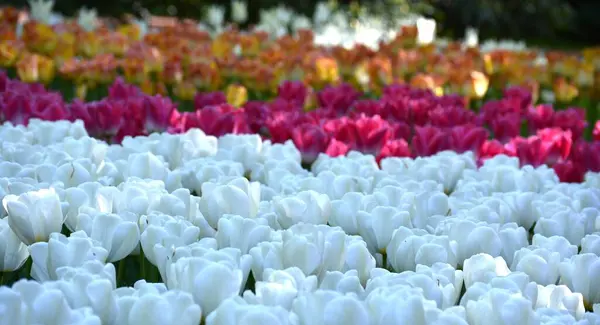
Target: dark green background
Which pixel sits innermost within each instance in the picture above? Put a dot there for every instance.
(549, 23)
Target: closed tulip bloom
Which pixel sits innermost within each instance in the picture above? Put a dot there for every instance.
(33, 216)
(13, 253)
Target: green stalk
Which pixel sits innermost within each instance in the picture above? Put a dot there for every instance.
(142, 261)
(120, 272)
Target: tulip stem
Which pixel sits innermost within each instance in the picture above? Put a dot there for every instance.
(28, 265)
(142, 265)
(120, 272)
(1, 278)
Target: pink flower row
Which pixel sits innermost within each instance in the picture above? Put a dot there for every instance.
(404, 122)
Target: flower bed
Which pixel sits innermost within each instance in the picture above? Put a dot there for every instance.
(344, 197)
(404, 122)
(190, 228)
(181, 59)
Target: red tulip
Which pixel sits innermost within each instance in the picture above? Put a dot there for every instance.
(158, 111)
(401, 130)
(467, 138)
(505, 127)
(572, 119)
(596, 131)
(394, 148)
(490, 149)
(293, 91)
(310, 140)
(338, 99)
(366, 134)
(121, 90)
(202, 100)
(368, 107)
(16, 108)
(428, 140)
(336, 148)
(540, 117)
(449, 116)
(569, 171)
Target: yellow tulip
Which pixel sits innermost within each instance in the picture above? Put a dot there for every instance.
(564, 91)
(237, 95)
(185, 90)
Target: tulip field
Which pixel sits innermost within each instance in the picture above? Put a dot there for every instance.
(293, 173)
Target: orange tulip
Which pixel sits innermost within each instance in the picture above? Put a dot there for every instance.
(34, 68)
(9, 52)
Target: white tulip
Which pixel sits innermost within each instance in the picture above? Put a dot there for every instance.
(156, 308)
(378, 226)
(217, 199)
(280, 287)
(236, 311)
(515, 282)
(307, 206)
(242, 233)
(117, 235)
(216, 16)
(410, 247)
(591, 244)
(330, 307)
(345, 283)
(501, 307)
(239, 11)
(560, 298)
(581, 273)
(13, 253)
(34, 303)
(60, 251)
(557, 244)
(34, 216)
(210, 283)
(483, 268)
(539, 263)
(569, 224)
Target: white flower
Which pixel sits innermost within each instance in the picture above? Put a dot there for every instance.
(62, 251)
(378, 226)
(13, 253)
(301, 22)
(557, 244)
(34, 216)
(117, 235)
(410, 247)
(483, 268)
(239, 11)
(173, 307)
(307, 206)
(330, 307)
(242, 233)
(501, 307)
(215, 16)
(210, 283)
(30, 302)
(238, 312)
(238, 196)
(569, 224)
(87, 18)
(426, 31)
(581, 273)
(560, 298)
(539, 263)
(280, 287)
(41, 10)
